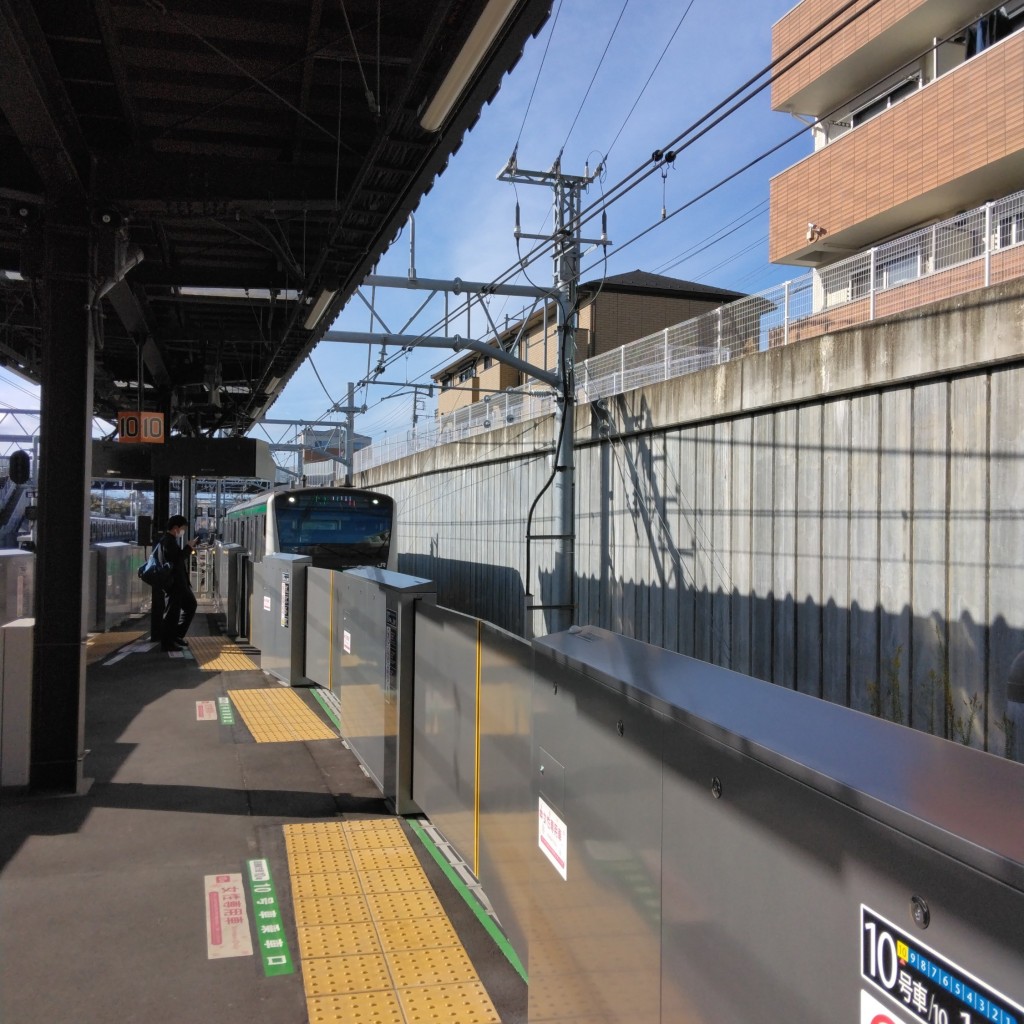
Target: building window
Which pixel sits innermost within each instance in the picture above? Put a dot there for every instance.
(487, 362)
(898, 270)
(888, 99)
(467, 373)
(960, 241)
(860, 283)
(1011, 230)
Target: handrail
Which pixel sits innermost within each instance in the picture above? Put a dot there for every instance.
(970, 250)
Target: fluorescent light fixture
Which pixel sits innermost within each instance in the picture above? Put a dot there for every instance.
(319, 308)
(285, 294)
(462, 70)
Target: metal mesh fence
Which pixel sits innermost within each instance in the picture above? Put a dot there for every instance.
(971, 250)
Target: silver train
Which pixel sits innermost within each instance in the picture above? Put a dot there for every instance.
(338, 527)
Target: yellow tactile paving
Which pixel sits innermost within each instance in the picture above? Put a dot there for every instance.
(358, 1008)
(332, 909)
(329, 974)
(466, 1002)
(218, 654)
(384, 859)
(343, 883)
(279, 716)
(394, 906)
(311, 862)
(375, 942)
(99, 645)
(416, 933)
(444, 963)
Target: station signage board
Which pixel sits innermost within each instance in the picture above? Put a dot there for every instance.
(140, 427)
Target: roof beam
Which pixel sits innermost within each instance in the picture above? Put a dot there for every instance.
(33, 99)
(306, 84)
(108, 32)
(206, 181)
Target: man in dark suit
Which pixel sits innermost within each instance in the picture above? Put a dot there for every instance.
(181, 602)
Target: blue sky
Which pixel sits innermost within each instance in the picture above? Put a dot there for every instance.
(464, 226)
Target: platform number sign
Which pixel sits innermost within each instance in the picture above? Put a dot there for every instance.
(925, 984)
(140, 427)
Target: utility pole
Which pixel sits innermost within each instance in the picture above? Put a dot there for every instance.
(418, 403)
(567, 190)
(350, 411)
(348, 426)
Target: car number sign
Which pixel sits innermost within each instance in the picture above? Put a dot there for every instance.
(923, 983)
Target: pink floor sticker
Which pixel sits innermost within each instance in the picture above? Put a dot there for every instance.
(227, 921)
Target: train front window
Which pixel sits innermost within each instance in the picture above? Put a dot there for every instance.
(346, 536)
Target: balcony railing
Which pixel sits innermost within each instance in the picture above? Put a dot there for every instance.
(981, 247)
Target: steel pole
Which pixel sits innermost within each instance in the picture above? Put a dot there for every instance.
(566, 275)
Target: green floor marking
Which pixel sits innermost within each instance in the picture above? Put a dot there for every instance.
(270, 934)
(463, 890)
(322, 701)
(227, 713)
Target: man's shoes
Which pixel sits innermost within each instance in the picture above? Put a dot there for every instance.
(169, 647)
(180, 641)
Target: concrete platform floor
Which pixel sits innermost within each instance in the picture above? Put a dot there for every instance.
(102, 895)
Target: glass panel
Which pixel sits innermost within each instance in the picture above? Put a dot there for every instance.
(335, 535)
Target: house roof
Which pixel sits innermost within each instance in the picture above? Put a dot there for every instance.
(635, 282)
(640, 282)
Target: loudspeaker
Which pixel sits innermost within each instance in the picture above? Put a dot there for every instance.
(20, 467)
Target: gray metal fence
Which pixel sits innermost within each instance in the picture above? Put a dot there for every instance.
(662, 839)
(972, 250)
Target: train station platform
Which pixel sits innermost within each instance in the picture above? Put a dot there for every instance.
(229, 861)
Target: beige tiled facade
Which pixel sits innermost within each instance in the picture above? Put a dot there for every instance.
(608, 321)
(820, 55)
(953, 144)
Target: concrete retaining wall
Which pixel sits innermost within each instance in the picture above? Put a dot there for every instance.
(843, 516)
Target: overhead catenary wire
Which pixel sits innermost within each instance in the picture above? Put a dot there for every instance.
(316, 372)
(536, 81)
(653, 163)
(648, 167)
(769, 152)
(712, 239)
(657, 64)
(593, 78)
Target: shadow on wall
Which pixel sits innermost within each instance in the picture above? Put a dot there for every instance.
(494, 593)
(943, 677)
(949, 678)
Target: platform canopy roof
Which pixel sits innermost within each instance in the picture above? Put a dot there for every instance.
(241, 165)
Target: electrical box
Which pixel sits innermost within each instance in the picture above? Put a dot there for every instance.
(229, 577)
(17, 574)
(15, 701)
(373, 674)
(281, 616)
(115, 570)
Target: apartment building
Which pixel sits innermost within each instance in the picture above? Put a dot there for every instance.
(917, 111)
(613, 312)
